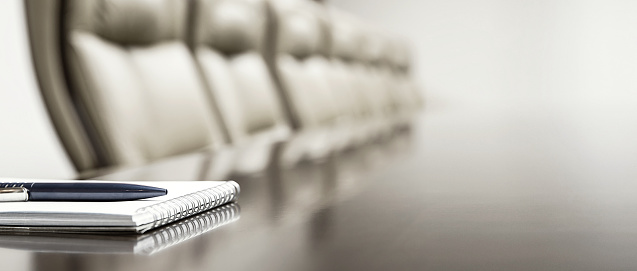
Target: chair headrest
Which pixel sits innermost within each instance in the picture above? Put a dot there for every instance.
(347, 39)
(129, 22)
(400, 57)
(231, 26)
(372, 47)
(301, 28)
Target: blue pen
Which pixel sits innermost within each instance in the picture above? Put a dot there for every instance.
(77, 191)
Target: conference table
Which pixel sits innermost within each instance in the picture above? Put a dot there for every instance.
(507, 183)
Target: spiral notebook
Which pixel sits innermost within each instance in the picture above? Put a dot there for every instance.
(148, 243)
(184, 199)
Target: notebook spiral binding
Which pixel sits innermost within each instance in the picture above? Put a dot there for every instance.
(178, 208)
(189, 228)
(13, 184)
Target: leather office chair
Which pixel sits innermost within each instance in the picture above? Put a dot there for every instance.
(301, 70)
(134, 80)
(351, 51)
(379, 85)
(228, 40)
(410, 96)
(43, 20)
(398, 114)
(345, 42)
(401, 102)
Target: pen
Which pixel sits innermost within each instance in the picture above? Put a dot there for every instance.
(77, 191)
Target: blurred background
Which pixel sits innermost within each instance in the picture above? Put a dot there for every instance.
(564, 67)
(515, 122)
(544, 88)
(488, 49)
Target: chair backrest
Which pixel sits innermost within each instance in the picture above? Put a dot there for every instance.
(371, 58)
(301, 65)
(43, 21)
(348, 51)
(399, 61)
(228, 39)
(134, 80)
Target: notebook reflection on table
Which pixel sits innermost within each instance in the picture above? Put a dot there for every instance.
(146, 244)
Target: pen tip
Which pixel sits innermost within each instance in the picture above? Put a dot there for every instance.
(156, 191)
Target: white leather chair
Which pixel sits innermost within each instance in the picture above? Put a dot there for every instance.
(351, 52)
(379, 86)
(135, 82)
(228, 41)
(43, 21)
(345, 42)
(302, 71)
(410, 97)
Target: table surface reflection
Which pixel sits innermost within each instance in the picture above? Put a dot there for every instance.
(469, 189)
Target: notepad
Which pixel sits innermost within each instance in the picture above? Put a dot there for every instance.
(184, 199)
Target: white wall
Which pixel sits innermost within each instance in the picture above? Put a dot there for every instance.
(470, 50)
(534, 77)
(28, 144)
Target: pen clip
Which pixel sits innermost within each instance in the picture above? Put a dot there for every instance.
(8, 194)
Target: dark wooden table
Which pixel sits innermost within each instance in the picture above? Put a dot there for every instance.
(497, 187)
